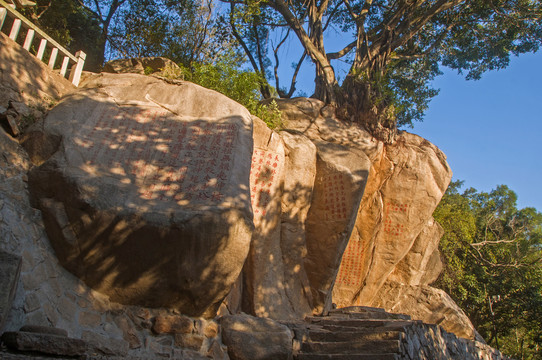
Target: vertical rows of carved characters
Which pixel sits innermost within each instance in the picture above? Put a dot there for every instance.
(335, 198)
(394, 213)
(168, 158)
(351, 264)
(265, 171)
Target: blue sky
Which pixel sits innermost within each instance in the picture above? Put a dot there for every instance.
(491, 129)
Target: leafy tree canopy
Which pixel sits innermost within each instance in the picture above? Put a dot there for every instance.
(394, 48)
(492, 252)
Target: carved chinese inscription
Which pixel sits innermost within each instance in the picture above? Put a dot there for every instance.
(393, 212)
(351, 264)
(264, 176)
(335, 196)
(170, 159)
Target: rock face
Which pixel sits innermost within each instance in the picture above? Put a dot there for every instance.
(139, 65)
(142, 185)
(386, 221)
(274, 282)
(164, 194)
(252, 338)
(27, 87)
(10, 268)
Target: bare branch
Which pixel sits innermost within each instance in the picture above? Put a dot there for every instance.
(240, 39)
(343, 52)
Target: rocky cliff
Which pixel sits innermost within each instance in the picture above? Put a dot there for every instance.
(142, 208)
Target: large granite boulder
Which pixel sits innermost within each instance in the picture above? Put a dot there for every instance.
(274, 280)
(386, 237)
(343, 162)
(253, 338)
(141, 66)
(147, 197)
(426, 303)
(412, 177)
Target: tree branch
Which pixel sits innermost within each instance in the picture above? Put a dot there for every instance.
(343, 52)
(240, 39)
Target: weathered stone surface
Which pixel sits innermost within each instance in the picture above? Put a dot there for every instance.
(44, 343)
(129, 333)
(217, 351)
(210, 329)
(391, 217)
(300, 174)
(135, 194)
(264, 267)
(10, 268)
(431, 342)
(274, 282)
(100, 344)
(25, 80)
(421, 265)
(43, 330)
(173, 324)
(251, 338)
(344, 154)
(40, 146)
(428, 304)
(189, 341)
(47, 295)
(138, 65)
(348, 335)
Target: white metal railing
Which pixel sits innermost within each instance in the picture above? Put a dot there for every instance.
(77, 60)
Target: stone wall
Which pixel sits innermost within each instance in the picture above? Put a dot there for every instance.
(432, 342)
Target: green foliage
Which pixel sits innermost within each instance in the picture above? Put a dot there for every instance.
(184, 31)
(72, 25)
(400, 45)
(240, 85)
(491, 248)
(148, 70)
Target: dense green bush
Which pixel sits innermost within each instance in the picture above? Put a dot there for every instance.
(240, 85)
(492, 255)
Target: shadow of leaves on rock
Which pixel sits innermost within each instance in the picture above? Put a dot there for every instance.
(144, 206)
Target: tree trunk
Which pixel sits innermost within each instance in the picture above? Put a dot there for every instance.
(361, 102)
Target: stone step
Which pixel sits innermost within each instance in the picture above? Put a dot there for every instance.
(303, 356)
(349, 347)
(367, 314)
(357, 323)
(401, 327)
(335, 336)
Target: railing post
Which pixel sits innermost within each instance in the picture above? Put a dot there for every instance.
(19, 20)
(3, 14)
(52, 59)
(64, 66)
(75, 73)
(29, 38)
(15, 29)
(41, 50)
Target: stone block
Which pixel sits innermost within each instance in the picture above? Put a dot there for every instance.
(104, 345)
(210, 329)
(10, 268)
(44, 343)
(189, 341)
(31, 303)
(251, 338)
(44, 330)
(129, 332)
(89, 319)
(173, 324)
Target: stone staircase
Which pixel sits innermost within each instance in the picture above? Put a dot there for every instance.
(353, 333)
